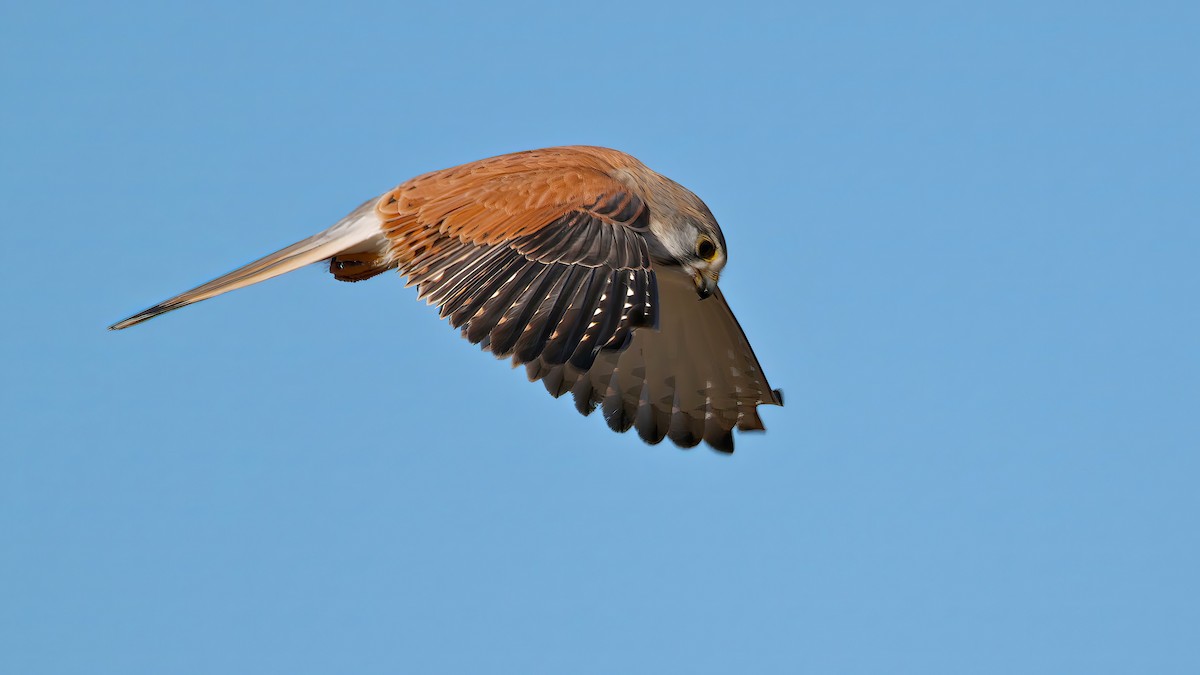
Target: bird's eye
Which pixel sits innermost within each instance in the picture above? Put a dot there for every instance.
(706, 249)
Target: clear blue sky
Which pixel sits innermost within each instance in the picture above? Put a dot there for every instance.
(964, 240)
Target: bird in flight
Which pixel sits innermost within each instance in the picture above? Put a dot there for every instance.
(596, 273)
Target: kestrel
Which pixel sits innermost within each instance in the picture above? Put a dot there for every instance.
(596, 273)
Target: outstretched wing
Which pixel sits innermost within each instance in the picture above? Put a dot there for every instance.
(696, 378)
(538, 255)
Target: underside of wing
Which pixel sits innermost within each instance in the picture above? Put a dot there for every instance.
(695, 378)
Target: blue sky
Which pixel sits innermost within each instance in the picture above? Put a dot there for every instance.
(963, 239)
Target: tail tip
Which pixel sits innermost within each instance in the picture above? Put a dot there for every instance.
(144, 315)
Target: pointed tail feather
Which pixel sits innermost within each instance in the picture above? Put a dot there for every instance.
(357, 232)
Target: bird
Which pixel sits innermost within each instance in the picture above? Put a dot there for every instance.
(580, 263)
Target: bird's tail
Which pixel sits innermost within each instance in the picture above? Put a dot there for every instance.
(356, 243)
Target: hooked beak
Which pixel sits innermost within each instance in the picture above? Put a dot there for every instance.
(706, 284)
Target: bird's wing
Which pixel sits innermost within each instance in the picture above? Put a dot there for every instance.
(696, 378)
(538, 255)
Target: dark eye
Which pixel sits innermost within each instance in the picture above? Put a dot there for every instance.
(706, 249)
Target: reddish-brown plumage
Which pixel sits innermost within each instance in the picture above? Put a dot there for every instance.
(502, 198)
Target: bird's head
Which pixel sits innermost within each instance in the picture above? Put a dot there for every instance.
(685, 234)
(705, 259)
(691, 239)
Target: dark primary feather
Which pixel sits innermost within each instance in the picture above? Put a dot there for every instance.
(546, 319)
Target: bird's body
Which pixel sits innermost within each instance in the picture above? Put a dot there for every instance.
(579, 262)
